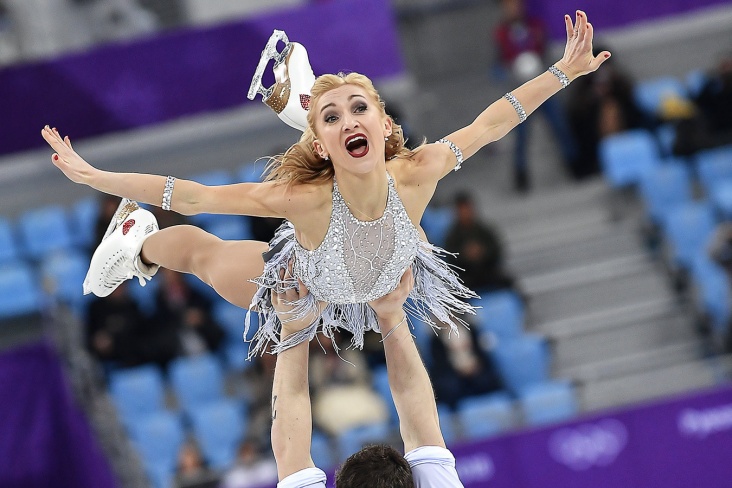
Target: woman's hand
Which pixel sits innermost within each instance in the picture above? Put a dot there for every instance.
(578, 59)
(66, 159)
(391, 305)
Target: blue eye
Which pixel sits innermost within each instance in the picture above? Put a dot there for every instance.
(329, 119)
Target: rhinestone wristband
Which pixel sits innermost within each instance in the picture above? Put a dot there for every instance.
(516, 106)
(456, 150)
(168, 192)
(563, 79)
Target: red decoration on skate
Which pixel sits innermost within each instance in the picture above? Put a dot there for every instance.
(305, 101)
(127, 226)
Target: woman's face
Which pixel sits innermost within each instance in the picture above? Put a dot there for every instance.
(350, 127)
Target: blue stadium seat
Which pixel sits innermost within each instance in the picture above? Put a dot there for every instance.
(19, 291)
(158, 438)
(548, 402)
(522, 361)
(664, 187)
(380, 383)
(688, 229)
(714, 166)
(8, 245)
(721, 198)
(485, 415)
(666, 135)
(84, 214)
(423, 334)
(230, 227)
(251, 172)
(436, 222)
(352, 440)
(501, 313)
(231, 318)
(197, 380)
(321, 451)
(137, 392)
(650, 94)
(219, 428)
(447, 423)
(695, 80)
(626, 157)
(44, 230)
(63, 274)
(713, 292)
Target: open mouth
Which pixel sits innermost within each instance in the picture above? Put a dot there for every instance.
(357, 145)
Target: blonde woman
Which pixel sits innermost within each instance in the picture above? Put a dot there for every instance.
(351, 193)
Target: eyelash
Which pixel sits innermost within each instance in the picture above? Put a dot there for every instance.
(360, 108)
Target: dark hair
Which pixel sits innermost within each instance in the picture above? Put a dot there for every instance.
(376, 466)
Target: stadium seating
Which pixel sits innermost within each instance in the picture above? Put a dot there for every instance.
(714, 166)
(197, 380)
(137, 392)
(44, 230)
(219, 427)
(352, 440)
(501, 313)
(485, 415)
(649, 94)
(627, 156)
(158, 438)
(83, 216)
(522, 361)
(436, 222)
(688, 229)
(548, 402)
(20, 293)
(63, 274)
(8, 245)
(321, 451)
(664, 187)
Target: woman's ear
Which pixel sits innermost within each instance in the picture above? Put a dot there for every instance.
(388, 126)
(319, 149)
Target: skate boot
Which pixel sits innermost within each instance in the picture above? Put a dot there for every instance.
(289, 97)
(117, 258)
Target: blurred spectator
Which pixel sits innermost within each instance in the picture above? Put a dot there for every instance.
(9, 50)
(600, 104)
(479, 249)
(712, 125)
(192, 470)
(342, 396)
(252, 468)
(460, 368)
(114, 20)
(114, 327)
(720, 250)
(521, 43)
(183, 325)
(107, 207)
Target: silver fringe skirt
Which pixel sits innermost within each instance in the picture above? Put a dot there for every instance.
(438, 299)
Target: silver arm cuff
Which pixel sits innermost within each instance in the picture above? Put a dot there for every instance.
(563, 79)
(456, 150)
(516, 106)
(168, 192)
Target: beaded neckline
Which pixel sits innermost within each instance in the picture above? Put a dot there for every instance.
(337, 194)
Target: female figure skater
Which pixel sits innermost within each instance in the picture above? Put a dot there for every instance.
(351, 193)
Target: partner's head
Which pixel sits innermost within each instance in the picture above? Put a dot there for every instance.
(376, 466)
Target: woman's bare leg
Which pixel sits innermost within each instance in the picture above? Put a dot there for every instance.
(227, 266)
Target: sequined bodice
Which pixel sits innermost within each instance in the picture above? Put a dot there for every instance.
(359, 261)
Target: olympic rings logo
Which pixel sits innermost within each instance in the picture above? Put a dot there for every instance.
(589, 445)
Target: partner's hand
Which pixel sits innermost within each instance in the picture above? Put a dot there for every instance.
(65, 158)
(578, 59)
(391, 305)
(283, 303)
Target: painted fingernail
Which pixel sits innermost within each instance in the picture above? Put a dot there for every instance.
(55, 157)
(607, 55)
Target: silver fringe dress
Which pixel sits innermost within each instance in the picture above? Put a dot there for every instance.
(357, 262)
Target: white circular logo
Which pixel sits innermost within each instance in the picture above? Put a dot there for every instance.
(589, 445)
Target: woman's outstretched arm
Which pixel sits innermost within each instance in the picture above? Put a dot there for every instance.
(188, 198)
(501, 116)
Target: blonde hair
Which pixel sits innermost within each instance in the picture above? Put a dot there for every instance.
(301, 164)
